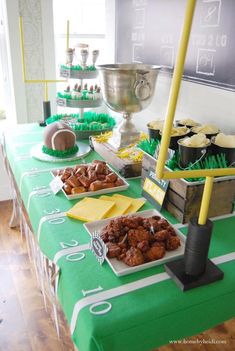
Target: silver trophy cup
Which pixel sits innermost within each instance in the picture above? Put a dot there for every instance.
(127, 88)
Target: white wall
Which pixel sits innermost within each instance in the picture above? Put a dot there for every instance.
(39, 52)
(37, 18)
(199, 102)
(26, 100)
(16, 109)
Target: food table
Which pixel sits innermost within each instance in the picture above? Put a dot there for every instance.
(136, 312)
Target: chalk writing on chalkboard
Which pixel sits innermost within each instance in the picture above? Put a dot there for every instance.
(149, 30)
(211, 13)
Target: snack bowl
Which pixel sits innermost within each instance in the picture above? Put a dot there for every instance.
(154, 133)
(229, 152)
(188, 123)
(208, 135)
(174, 139)
(190, 154)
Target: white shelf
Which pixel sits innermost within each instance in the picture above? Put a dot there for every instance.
(75, 74)
(78, 103)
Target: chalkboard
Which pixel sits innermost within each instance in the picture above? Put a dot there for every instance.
(148, 31)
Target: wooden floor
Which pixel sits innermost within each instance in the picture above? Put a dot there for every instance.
(24, 323)
(26, 326)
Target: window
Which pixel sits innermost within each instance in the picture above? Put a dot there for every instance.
(88, 21)
(87, 25)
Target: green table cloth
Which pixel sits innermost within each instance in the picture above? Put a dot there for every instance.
(137, 312)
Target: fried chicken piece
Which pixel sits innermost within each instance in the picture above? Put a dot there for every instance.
(117, 227)
(126, 229)
(85, 181)
(69, 169)
(92, 176)
(81, 170)
(101, 177)
(112, 238)
(154, 253)
(159, 244)
(132, 222)
(133, 257)
(163, 224)
(94, 162)
(73, 181)
(113, 250)
(100, 168)
(104, 235)
(171, 230)
(172, 243)
(119, 182)
(151, 224)
(67, 188)
(143, 246)
(156, 218)
(65, 175)
(161, 235)
(78, 190)
(135, 236)
(107, 185)
(122, 254)
(112, 231)
(122, 243)
(111, 178)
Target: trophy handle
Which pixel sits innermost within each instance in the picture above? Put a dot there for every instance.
(142, 87)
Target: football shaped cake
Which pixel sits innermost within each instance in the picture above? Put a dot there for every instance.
(59, 140)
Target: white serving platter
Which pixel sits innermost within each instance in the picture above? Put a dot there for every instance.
(83, 150)
(98, 192)
(119, 267)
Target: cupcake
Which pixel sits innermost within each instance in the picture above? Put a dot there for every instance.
(97, 94)
(90, 93)
(67, 92)
(76, 93)
(85, 91)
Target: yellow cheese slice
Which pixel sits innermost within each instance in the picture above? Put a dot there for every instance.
(136, 204)
(90, 209)
(120, 207)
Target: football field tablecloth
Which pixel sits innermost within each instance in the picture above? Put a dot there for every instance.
(137, 312)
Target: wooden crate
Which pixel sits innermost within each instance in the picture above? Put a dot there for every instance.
(183, 199)
(126, 168)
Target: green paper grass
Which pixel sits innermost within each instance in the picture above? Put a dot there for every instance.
(91, 121)
(210, 162)
(78, 68)
(148, 146)
(59, 153)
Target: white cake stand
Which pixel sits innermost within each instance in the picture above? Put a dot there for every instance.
(36, 152)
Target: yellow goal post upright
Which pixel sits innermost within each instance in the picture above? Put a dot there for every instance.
(46, 102)
(194, 269)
